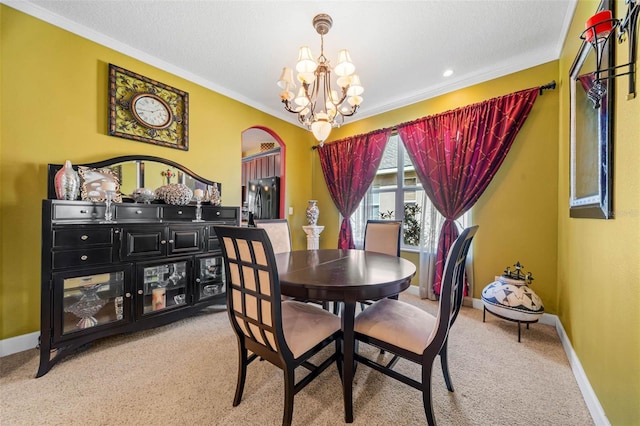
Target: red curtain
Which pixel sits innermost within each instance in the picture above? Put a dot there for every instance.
(457, 153)
(349, 166)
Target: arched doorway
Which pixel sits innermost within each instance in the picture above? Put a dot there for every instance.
(263, 157)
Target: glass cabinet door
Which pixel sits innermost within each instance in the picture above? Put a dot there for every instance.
(211, 277)
(89, 301)
(162, 286)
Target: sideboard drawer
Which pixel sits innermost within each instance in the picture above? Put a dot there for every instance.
(220, 213)
(77, 212)
(137, 212)
(178, 213)
(82, 237)
(82, 257)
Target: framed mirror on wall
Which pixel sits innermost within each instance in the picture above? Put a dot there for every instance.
(130, 173)
(592, 111)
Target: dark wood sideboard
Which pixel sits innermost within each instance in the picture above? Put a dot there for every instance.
(151, 265)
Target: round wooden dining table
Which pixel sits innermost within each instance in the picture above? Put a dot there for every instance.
(347, 276)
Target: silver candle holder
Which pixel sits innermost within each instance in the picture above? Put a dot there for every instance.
(198, 199)
(108, 206)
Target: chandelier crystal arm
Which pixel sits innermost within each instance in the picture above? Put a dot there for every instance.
(287, 107)
(313, 96)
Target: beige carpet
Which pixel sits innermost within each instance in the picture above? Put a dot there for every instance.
(185, 374)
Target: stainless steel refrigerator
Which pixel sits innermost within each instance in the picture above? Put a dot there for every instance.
(263, 198)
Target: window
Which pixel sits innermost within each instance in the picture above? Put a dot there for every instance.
(396, 194)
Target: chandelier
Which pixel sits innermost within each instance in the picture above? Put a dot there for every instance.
(318, 106)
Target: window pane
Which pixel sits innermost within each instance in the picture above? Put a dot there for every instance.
(407, 164)
(410, 175)
(410, 180)
(387, 174)
(386, 179)
(386, 206)
(390, 157)
(358, 219)
(374, 205)
(413, 200)
(410, 196)
(403, 187)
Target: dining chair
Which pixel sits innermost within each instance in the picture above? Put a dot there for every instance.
(382, 236)
(284, 333)
(408, 332)
(279, 233)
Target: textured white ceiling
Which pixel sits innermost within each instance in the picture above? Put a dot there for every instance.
(400, 48)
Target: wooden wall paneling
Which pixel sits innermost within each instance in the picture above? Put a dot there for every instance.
(268, 165)
(260, 167)
(276, 165)
(252, 170)
(272, 165)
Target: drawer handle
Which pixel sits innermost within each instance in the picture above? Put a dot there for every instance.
(163, 242)
(217, 213)
(198, 280)
(138, 211)
(170, 241)
(84, 237)
(84, 211)
(179, 211)
(127, 295)
(140, 291)
(84, 257)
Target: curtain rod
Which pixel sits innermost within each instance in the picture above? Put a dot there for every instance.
(549, 86)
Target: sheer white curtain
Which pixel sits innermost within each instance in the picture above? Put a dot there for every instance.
(431, 222)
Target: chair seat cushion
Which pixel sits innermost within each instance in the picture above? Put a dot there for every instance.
(305, 325)
(398, 323)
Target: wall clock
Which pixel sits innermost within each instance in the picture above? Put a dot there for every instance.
(146, 110)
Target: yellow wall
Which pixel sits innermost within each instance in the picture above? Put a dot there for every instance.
(54, 108)
(599, 260)
(517, 213)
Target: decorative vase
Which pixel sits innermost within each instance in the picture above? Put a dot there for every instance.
(143, 195)
(512, 299)
(215, 195)
(175, 193)
(67, 182)
(313, 212)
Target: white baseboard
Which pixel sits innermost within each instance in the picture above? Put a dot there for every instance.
(590, 398)
(17, 344)
(413, 289)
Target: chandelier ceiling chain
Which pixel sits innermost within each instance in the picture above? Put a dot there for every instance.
(318, 106)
